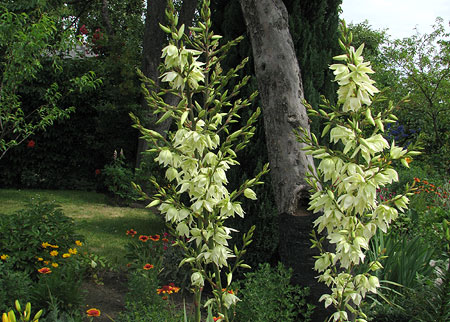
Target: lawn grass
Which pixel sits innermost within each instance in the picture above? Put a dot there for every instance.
(104, 226)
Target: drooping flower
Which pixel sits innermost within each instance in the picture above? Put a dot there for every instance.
(44, 270)
(143, 238)
(93, 312)
(148, 266)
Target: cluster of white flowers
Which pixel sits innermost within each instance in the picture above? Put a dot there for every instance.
(196, 159)
(345, 187)
(183, 66)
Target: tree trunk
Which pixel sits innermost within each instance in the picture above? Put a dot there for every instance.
(280, 87)
(154, 41)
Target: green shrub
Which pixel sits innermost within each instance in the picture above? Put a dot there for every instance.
(143, 303)
(138, 312)
(40, 242)
(13, 285)
(267, 295)
(24, 233)
(117, 178)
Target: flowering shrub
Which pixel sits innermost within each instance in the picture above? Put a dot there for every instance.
(117, 178)
(197, 202)
(267, 295)
(437, 196)
(34, 232)
(345, 185)
(158, 254)
(147, 250)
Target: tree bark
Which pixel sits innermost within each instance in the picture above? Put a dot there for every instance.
(281, 92)
(154, 41)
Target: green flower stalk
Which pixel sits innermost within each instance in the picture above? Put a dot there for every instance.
(345, 183)
(198, 154)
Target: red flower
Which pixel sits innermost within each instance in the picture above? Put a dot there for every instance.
(165, 240)
(31, 144)
(217, 318)
(143, 238)
(131, 232)
(97, 172)
(84, 30)
(93, 312)
(148, 267)
(45, 270)
(155, 237)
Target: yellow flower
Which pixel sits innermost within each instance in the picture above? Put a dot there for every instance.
(408, 160)
(4, 257)
(78, 243)
(66, 255)
(40, 259)
(54, 246)
(54, 253)
(73, 251)
(46, 262)
(55, 265)
(45, 245)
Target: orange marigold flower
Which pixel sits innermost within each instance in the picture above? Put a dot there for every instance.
(78, 243)
(73, 251)
(416, 179)
(46, 262)
(54, 253)
(45, 270)
(155, 237)
(217, 318)
(40, 259)
(148, 267)
(165, 240)
(55, 265)
(131, 232)
(93, 312)
(66, 255)
(143, 238)
(408, 160)
(229, 291)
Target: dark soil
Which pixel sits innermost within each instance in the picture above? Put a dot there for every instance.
(106, 294)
